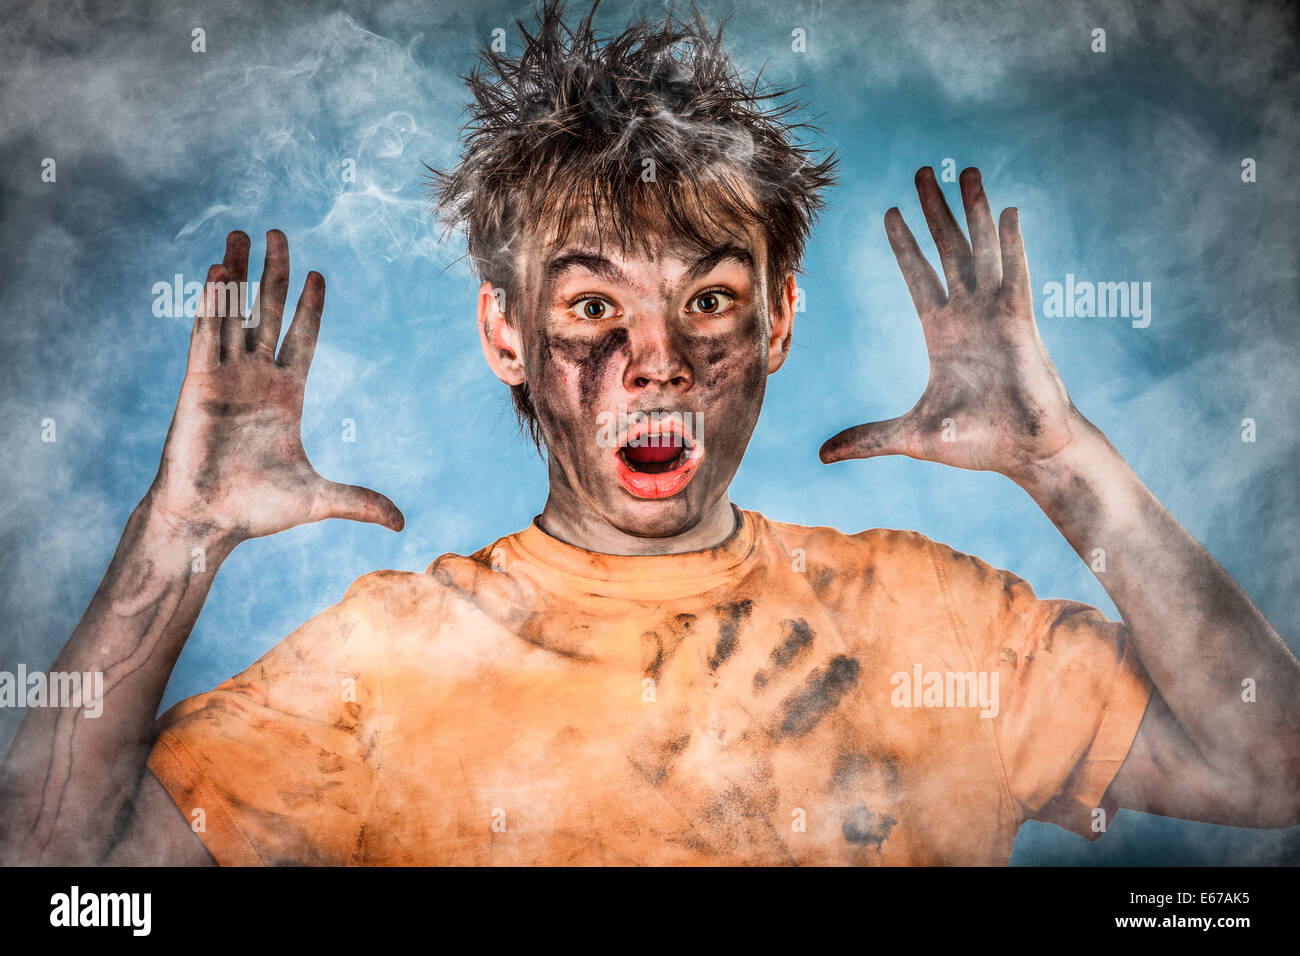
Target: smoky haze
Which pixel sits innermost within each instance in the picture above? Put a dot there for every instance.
(1126, 166)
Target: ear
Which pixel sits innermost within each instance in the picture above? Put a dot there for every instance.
(778, 343)
(502, 346)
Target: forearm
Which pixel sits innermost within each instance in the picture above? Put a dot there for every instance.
(69, 777)
(1198, 634)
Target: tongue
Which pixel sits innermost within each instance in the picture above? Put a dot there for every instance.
(652, 454)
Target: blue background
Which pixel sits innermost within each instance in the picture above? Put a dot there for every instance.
(1126, 166)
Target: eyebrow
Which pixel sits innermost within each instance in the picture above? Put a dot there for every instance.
(725, 252)
(604, 268)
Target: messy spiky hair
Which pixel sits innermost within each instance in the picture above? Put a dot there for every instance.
(570, 127)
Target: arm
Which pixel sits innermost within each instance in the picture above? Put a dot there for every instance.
(995, 402)
(1202, 752)
(74, 788)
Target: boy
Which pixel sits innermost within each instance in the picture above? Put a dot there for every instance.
(648, 674)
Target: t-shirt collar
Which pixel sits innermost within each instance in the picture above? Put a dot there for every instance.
(704, 567)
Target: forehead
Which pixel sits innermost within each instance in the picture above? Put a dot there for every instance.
(548, 255)
(664, 222)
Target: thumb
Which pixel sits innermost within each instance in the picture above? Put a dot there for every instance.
(892, 437)
(354, 503)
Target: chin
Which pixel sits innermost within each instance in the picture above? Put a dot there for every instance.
(655, 518)
(665, 507)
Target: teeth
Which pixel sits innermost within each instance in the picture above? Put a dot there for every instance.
(658, 439)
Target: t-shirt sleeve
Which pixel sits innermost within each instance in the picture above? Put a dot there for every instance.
(1072, 691)
(276, 765)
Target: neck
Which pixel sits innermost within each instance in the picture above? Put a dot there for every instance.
(583, 528)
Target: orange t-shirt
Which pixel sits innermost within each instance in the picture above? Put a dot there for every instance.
(794, 695)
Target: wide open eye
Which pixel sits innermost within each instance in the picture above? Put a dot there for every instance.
(593, 308)
(713, 302)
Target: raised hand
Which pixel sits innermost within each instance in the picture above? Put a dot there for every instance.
(994, 400)
(233, 464)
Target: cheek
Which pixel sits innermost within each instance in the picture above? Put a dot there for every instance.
(736, 363)
(733, 371)
(569, 378)
(594, 364)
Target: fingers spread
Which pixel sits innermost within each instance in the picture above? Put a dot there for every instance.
(983, 234)
(892, 437)
(954, 250)
(231, 299)
(268, 308)
(1015, 267)
(922, 281)
(205, 339)
(300, 341)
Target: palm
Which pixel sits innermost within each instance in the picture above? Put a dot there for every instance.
(994, 400)
(241, 444)
(234, 462)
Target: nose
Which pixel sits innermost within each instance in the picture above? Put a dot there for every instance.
(658, 358)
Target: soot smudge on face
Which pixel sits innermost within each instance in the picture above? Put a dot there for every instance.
(589, 356)
(733, 357)
(592, 360)
(592, 366)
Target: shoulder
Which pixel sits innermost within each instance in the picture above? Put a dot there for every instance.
(387, 589)
(903, 561)
(848, 570)
(825, 536)
(448, 580)
(398, 589)
(897, 553)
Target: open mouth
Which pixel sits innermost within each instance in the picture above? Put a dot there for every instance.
(667, 453)
(657, 462)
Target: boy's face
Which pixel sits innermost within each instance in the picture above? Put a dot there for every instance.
(607, 340)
